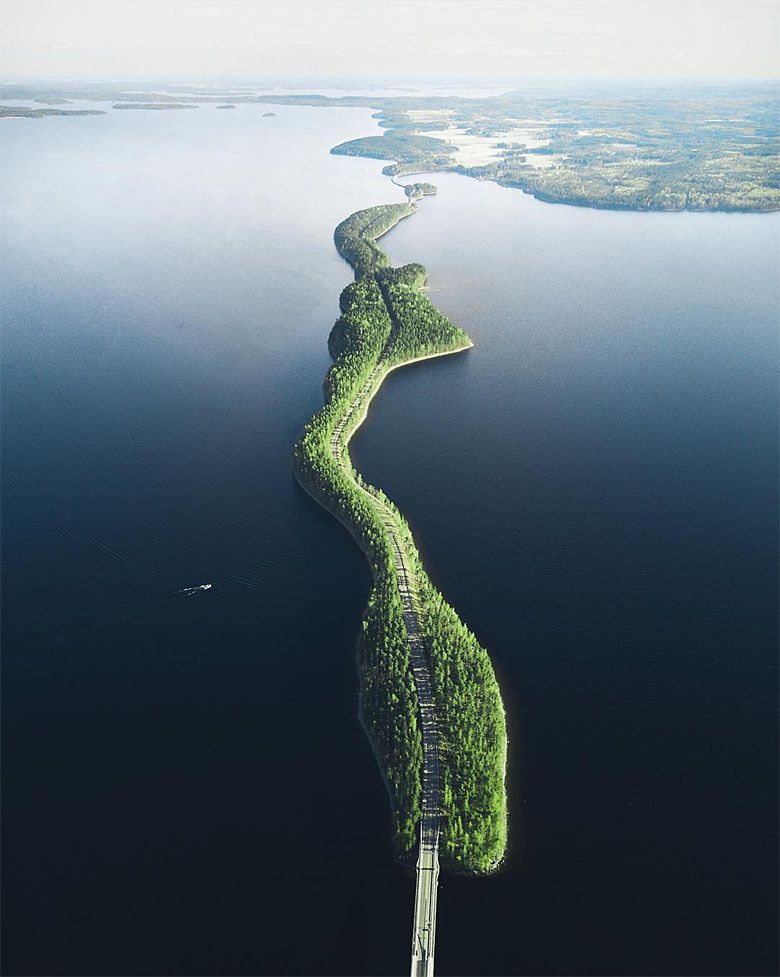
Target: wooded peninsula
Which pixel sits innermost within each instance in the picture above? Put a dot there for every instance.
(386, 322)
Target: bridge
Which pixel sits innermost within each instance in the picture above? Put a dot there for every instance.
(426, 889)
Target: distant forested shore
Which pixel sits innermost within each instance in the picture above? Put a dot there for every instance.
(688, 147)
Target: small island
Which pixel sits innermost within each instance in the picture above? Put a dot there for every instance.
(269, 115)
(228, 106)
(414, 191)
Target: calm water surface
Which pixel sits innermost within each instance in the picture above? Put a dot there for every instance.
(595, 489)
(187, 787)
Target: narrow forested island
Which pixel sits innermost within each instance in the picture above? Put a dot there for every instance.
(387, 322)
(23, 112)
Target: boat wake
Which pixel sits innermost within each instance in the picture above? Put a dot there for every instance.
(107, 610)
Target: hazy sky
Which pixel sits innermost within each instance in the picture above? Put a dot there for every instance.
(490, 39)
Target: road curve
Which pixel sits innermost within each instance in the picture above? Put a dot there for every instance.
(424, 928)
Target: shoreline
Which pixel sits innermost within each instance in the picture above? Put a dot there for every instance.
(322, 502)
(570, 201)
(388, 371)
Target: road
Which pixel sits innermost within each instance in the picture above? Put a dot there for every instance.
(426, 890)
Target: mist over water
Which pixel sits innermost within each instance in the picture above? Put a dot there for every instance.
(188, 789)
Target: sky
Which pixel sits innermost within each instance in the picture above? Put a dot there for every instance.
(490, 39)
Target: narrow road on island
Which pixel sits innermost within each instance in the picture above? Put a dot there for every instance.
(424, 928)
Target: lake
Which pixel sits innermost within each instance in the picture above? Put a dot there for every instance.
(188, 789)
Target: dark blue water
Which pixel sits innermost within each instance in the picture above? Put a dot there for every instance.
(186, 780)
(595, 489)
(187, 788)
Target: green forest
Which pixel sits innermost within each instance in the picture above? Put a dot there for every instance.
(703, 148)
(416, 190)
(396, 144)
(385, 322)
